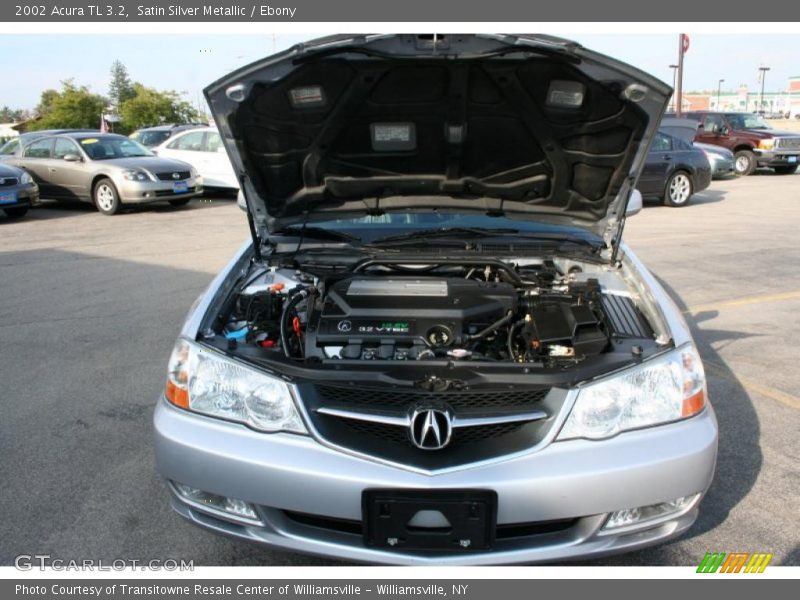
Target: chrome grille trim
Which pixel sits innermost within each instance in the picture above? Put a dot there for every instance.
(405, 421)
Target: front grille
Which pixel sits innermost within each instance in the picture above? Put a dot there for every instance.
(393, 434)
(502, 532)
(169, 176)
(390, 441)
(394, 399)
(788, 143)
(8, 181)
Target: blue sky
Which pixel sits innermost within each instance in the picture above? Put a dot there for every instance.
(187, 63)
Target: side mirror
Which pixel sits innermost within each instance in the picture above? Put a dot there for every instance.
(634, 203)
(241, 201)
(72, 158)
(723, 130)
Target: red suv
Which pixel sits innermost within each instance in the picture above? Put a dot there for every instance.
(752, 140)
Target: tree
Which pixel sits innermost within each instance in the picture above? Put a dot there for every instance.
(149, 107)
(74, 106)
(121, 87)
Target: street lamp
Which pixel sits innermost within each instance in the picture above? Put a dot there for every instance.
(719, 87)
(674, 82)
(763, 75)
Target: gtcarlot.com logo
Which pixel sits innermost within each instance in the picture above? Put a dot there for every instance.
(735, 562)
(28, 562)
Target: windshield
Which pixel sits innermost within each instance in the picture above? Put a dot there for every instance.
(747, 122)
(106, 148)
(150, 138)
(369, 228)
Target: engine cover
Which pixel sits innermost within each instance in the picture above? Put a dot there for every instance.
(381, 316)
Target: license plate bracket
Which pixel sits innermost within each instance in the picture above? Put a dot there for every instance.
(471, 519)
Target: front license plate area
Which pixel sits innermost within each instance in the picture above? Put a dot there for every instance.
(791, 159)
(180, 187)
(454, 520)
(8, 198)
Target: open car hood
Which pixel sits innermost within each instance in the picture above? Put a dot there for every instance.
(528, 126)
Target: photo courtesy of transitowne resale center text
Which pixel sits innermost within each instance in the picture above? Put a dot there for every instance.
(293, 310)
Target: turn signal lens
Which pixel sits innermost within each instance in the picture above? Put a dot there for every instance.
(177, 390)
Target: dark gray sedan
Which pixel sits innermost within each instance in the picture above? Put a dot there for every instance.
(106, 169)
(18, 191)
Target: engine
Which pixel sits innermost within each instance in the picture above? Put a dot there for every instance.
(458, 312)
(404, 318)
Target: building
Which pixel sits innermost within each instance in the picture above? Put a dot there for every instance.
(786, 101)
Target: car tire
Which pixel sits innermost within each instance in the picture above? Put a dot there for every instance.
(106, 197)
(679, 189)
(17, 212)
(179, 202)
(785, 170)
(744, 162)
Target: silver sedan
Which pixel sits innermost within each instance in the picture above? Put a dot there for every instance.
(106, 169)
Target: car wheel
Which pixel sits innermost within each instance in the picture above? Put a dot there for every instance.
(744, 162)
(16, 213)
(678, 190)
(786, 170)
(106, 198)
(179, 202)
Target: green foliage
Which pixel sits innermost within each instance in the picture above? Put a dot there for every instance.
(149, 106)
(121, 87)
(73, 106)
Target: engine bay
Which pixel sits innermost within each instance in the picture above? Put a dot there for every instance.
(548, 312)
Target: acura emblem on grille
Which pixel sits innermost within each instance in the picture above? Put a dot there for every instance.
(430, 428)
(176, 175)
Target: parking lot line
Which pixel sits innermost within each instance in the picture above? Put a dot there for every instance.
(753, 386)
(743, 301)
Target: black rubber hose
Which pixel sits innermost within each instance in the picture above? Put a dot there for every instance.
(284, 325)
(496, 325)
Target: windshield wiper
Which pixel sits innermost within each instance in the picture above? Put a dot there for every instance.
(319, 233)
(473, 232)
(443, 232)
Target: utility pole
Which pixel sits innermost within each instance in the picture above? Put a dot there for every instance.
(763, 75)
(674, 79)
(683, 46)
(719, 87)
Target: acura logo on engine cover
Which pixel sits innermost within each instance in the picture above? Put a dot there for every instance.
(430, 428)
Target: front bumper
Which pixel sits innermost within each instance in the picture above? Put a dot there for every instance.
(26, 194)
(722, 167)
(285, 474)
(144, 192)
(777, 158)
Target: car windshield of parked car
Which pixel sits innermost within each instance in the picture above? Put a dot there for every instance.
(107, 148)
(748, 122)
(150, 138)
(9, 148)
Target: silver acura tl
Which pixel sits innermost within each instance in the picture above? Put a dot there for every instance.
(106, 169)
(436, 348)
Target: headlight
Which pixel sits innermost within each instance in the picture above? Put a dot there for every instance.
(767, 144)
(193, 172)
(26, 178)
(661, 390)
(205, 382)
(135, 175)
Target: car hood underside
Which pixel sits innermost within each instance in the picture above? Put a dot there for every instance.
(527, 126)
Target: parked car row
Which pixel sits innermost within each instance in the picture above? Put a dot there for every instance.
(752, 140)
(107, 169)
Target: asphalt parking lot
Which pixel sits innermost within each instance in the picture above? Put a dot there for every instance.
(90, 306)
